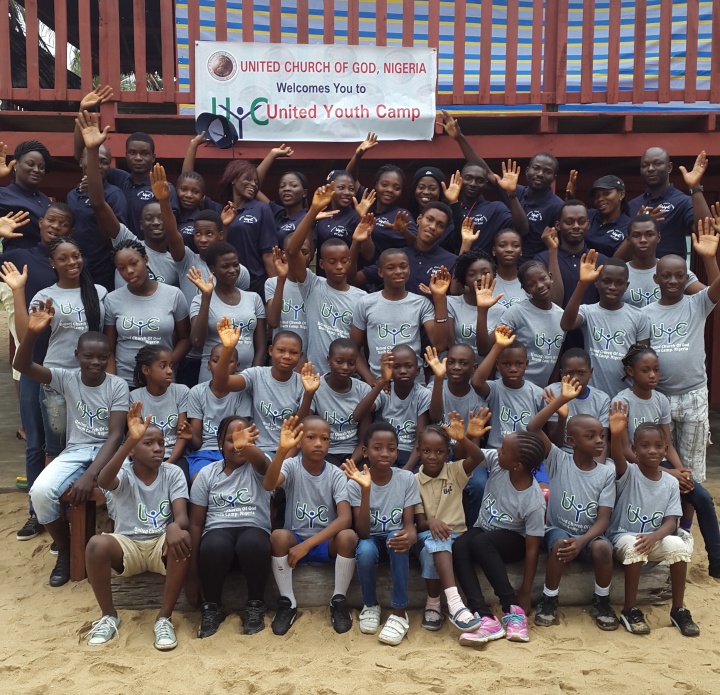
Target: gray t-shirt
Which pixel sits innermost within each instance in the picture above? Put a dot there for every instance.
(204, 405)
(164, 409)
(642, 504)
(654, 409)
(642, 290)
(272, 402)
(67, 324)
(512, 409)
(293, 315)
(608, 336)
(677, 334)
(162, 266)
(595, 403)
(388, 501)
(143, 321)
(243, 315)
(89, 407)
(193, 260)
(330, 315)
(575, 494)
(390, 323)
(337, 409)
(471, 401)
(512, 293)
(236, 500)
(403, 413)
(504, 507)
(464, 318)
(142, 512)
(539, 331)
(311, 499)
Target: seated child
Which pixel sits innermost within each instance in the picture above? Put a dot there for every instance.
(582, 496)
(405, 407)
(230, 523)
(644, 522)
(150, 500)
(440, 517)
(510, 527)
(96, 411)
(336, 399)
(383, 507)
(317, 518)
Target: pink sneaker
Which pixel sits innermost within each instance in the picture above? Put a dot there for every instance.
(490, 628)
(516, 627)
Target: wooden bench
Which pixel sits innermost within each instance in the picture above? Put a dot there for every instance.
(82, 520)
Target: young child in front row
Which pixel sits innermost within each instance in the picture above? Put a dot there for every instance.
(644, 521)
(440, 516)
(383, 505)
(151, 528)
(318, 519)
(510, 527)
(582, 497)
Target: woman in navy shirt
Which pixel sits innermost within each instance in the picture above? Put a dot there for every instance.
(609, 219)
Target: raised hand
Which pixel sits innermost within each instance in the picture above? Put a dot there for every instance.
(364, 228)
(693, 177)
(387, 361)
(504, 336)
(159, 183)
(11, 222)
(456, 427)
(367, 144)
(323, 196)
(467, 232)
(135, 423)
(280, 262)
(40, 316)
(571, 184)
(510, 175)
(715, 212)
(325, 214)
(99, 95)
(478, 423)
(12, 277)
(657, 213)
(484, 288)
(92, 136)
(5, 166)
(244, 436)
(452, 192)
(550, 238)
(439, 367)
(282, 151)
(549, 397)
(440, 282)
(451, 126)
(571, 388)
(618, 418)
(198, 140)
(588, 271)
(184, 431)
(705, 242)
(229, 336)
(400, 223)
(310, 378)
(205, 286)
(362, 207)
(228, 214)
(291, 433)
(353, 473)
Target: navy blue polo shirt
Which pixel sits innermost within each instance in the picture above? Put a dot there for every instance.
(490, 216)
(385, 238)
(138, 195)
(542, 211)
(186, 220)
(606, 238)
(252, 233)
(570, 271)
(286, 224)
(17, 198)
(677, 210)
(340, 226)
(95, 247)
(422, 266)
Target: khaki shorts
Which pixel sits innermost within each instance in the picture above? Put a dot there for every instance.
(140, 556)
(670, 549)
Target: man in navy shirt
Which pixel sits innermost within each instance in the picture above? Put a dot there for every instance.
(96, 247)
(140, 157)
(680, 211)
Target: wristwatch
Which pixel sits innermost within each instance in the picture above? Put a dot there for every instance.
(697, 189)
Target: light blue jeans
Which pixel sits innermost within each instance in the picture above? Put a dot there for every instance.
(368, 554)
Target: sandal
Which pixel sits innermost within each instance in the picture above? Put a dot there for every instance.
(432, 620)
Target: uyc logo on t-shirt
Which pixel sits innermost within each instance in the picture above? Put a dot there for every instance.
(383, 521)
(288, 307)
(130, 322)
(385, 332)
(268, 411)
(569, 504)
(336, 420)
(680, 329)
(328, 311)
(302, 512)
(242, 326)
(468, 330)
(91, 415)
(493, 514)
(240, 496)
(154, 516)
(618, 337)
(635, 516)
(638, 295)
(507, 415)
(67, 308)
(542, 341)
(169, 424)
(407, 428)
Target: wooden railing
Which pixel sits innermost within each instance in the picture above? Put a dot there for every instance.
(549, 57)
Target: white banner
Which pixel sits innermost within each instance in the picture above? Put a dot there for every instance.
(319, 93)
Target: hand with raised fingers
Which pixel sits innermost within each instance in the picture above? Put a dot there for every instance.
(6, 167)
(618, 418)
(352, 473)
(549, 396)
(440, 282)
(135, 423)
(478, 423)
(244, 436)
(588, 271)
(100, 95)
(657, 213)
(550, 238)
(387, 361)
(280, 262)
(158, 181)
(439, 367)
(362, 206)
(368, 143)
(228, 214)
(282, 151)
(323, 197)
(364, 228)
(310, 378)
(400, 223)
(571, 387)
(12, 277)
(198, 140)
(452, 192)
(693, 177)
(510, 174)
(205, 287)
(467, 232)
(40, 316)
(455, 429)
(229, 336)
(291, 433)
(705, 242)
(484, 288)
(11, 223)
(451, 126)
(571, 185)
(184, 431)
(504, 336)
(92, 136)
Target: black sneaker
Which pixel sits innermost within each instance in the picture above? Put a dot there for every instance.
(714, 569)
(211, 615)
(53, 548)
(682, 620)
(546, 611)
(340, 614)
(61, 573)
(32, 529)
(634, 621)
(284, 616)
(254, 617)
(603, 613)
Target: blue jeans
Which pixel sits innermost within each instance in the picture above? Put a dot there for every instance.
(31, 418)
(54, 415)
(368, 554)
(473, 496)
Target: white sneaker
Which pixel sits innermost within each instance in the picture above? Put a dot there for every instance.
(165, 639)
(369, 619)
(394, 630)
(103, 630)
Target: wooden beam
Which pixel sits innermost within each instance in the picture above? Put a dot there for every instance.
(6, 86)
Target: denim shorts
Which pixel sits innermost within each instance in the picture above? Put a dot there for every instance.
(553, 535)
(427, 545)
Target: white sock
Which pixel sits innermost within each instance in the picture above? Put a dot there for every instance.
(344, 571)
(602, 592)
(433, 603)
(284, 578)
(454, 602)
(550, 592)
